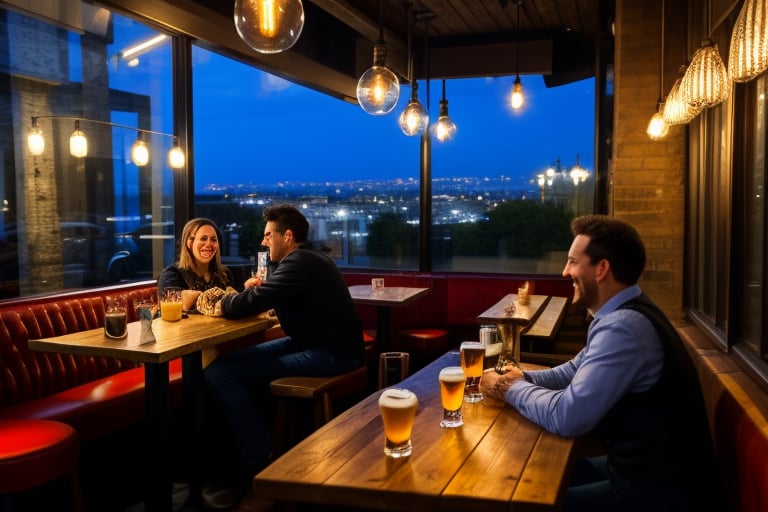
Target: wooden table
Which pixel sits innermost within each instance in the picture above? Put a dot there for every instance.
(186, 339)
(384, 299)
(512, 322)
(497, 461)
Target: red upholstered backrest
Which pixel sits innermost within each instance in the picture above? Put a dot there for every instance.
(26, 374)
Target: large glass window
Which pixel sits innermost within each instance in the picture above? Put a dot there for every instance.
(78, 221)
(503, 190)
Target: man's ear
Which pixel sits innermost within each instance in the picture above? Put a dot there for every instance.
(602, 270)
(288, 235)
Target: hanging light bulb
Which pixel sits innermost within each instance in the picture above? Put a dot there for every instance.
(139, 151)
(748, 56)
(176, 158)
(657, 127)
(269, 26)
(414, 118)
(676, 109)
(378, 88)
(35, 139)
(516, 99)
(444, 129)
(78, 144)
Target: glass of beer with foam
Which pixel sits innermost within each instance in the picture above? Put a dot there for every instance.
(398, 410)
(472, 356)
(452, 380)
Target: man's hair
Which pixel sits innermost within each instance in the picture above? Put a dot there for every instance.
(288, 217)
(613, 240)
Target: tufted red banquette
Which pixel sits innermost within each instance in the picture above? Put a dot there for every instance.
(95, 395)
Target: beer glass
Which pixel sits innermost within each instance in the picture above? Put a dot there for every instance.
(115, 319)
(472, 356)
(452, 380)
(398, 410)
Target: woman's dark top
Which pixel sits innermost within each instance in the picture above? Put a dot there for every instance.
(173, 276)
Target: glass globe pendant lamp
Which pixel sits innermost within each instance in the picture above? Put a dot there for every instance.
(378, 88)
(444, 129)
(413, 120)
(269, 26)
(78, 144)
(139, 151)
(35, 139)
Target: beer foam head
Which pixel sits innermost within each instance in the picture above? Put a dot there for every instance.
(452, 374)
(397, 398)
(471, 344)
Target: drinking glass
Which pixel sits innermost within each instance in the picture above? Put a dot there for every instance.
(170, 304)
(452, 379)
(393, 367)
(260, 271)
(398, 410)
(472, 357)
(115, 319)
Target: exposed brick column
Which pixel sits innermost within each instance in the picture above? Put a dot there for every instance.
(646, 186)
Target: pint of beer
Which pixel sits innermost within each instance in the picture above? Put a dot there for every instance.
(452, 380)
(472, 356)
(398, 410)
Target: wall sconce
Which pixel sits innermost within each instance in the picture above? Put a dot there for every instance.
(78, 143)
(748, 56)
(444, 129)
(269, 26)
(378, 88)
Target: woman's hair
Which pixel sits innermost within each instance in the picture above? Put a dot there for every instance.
(187, 258)
(288, 217)
(613, 240)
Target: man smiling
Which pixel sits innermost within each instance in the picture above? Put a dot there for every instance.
(633, 386)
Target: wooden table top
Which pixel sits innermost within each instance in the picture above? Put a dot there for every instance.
(496, 314)
(173, 339)
(497, 461)
(387, 296)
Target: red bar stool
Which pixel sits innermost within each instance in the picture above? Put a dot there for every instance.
(34, 452)
(423, 344)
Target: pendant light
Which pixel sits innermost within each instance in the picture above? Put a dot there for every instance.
(444, 129)
(414, 118)
(706, 82)
(176, 157)
(676, 109)
(378, 88)
(748, 56)
(35, 139)
(516, 99)
(269, 26)
(657, 127)
(140, 151)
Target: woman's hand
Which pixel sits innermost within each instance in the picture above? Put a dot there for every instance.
(495, 385)
(188, 299)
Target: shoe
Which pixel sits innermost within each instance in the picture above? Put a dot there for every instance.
(220, 497)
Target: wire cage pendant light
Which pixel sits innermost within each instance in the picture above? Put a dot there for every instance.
(269, 26)
(676, 109)
(748, 56)
(706, 81)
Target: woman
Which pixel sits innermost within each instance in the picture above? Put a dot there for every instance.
(199, 267)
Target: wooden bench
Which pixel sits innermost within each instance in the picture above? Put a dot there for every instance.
(537, 340)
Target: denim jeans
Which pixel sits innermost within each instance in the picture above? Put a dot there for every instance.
(237, 383)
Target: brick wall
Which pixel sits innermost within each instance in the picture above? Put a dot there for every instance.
(646, 184)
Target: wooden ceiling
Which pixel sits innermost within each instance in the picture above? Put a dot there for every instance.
(455, 38)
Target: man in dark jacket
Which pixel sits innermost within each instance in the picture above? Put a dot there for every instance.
(324, 333)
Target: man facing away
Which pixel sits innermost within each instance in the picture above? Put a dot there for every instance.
(324, 335)
(633, 386)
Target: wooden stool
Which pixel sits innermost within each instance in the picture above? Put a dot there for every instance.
(34, 452)
(424, 345)
(322, 390)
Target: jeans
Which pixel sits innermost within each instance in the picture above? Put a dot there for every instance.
(237, 383)
(589, 489)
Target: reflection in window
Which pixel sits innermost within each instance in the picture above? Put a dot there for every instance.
(73, 222)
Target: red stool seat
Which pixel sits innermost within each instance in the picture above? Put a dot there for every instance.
(423, 344)
(34, 452)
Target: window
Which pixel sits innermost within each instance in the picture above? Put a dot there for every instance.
(73, 222)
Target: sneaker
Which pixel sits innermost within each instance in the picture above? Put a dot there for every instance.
(220, 497)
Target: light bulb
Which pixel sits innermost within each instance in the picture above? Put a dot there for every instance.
(516, 99)
(414, 118)
(78, 144)
(36, 141)
(378, 88)
(657, 127)
(269, 26)
(176, 158)
(444, 129)
(140, 152)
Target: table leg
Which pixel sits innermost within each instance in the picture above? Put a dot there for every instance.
(383, 334)
(194, 408)
(158, 420)
(510, 347)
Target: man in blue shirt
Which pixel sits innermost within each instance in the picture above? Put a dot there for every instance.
(633, 385)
